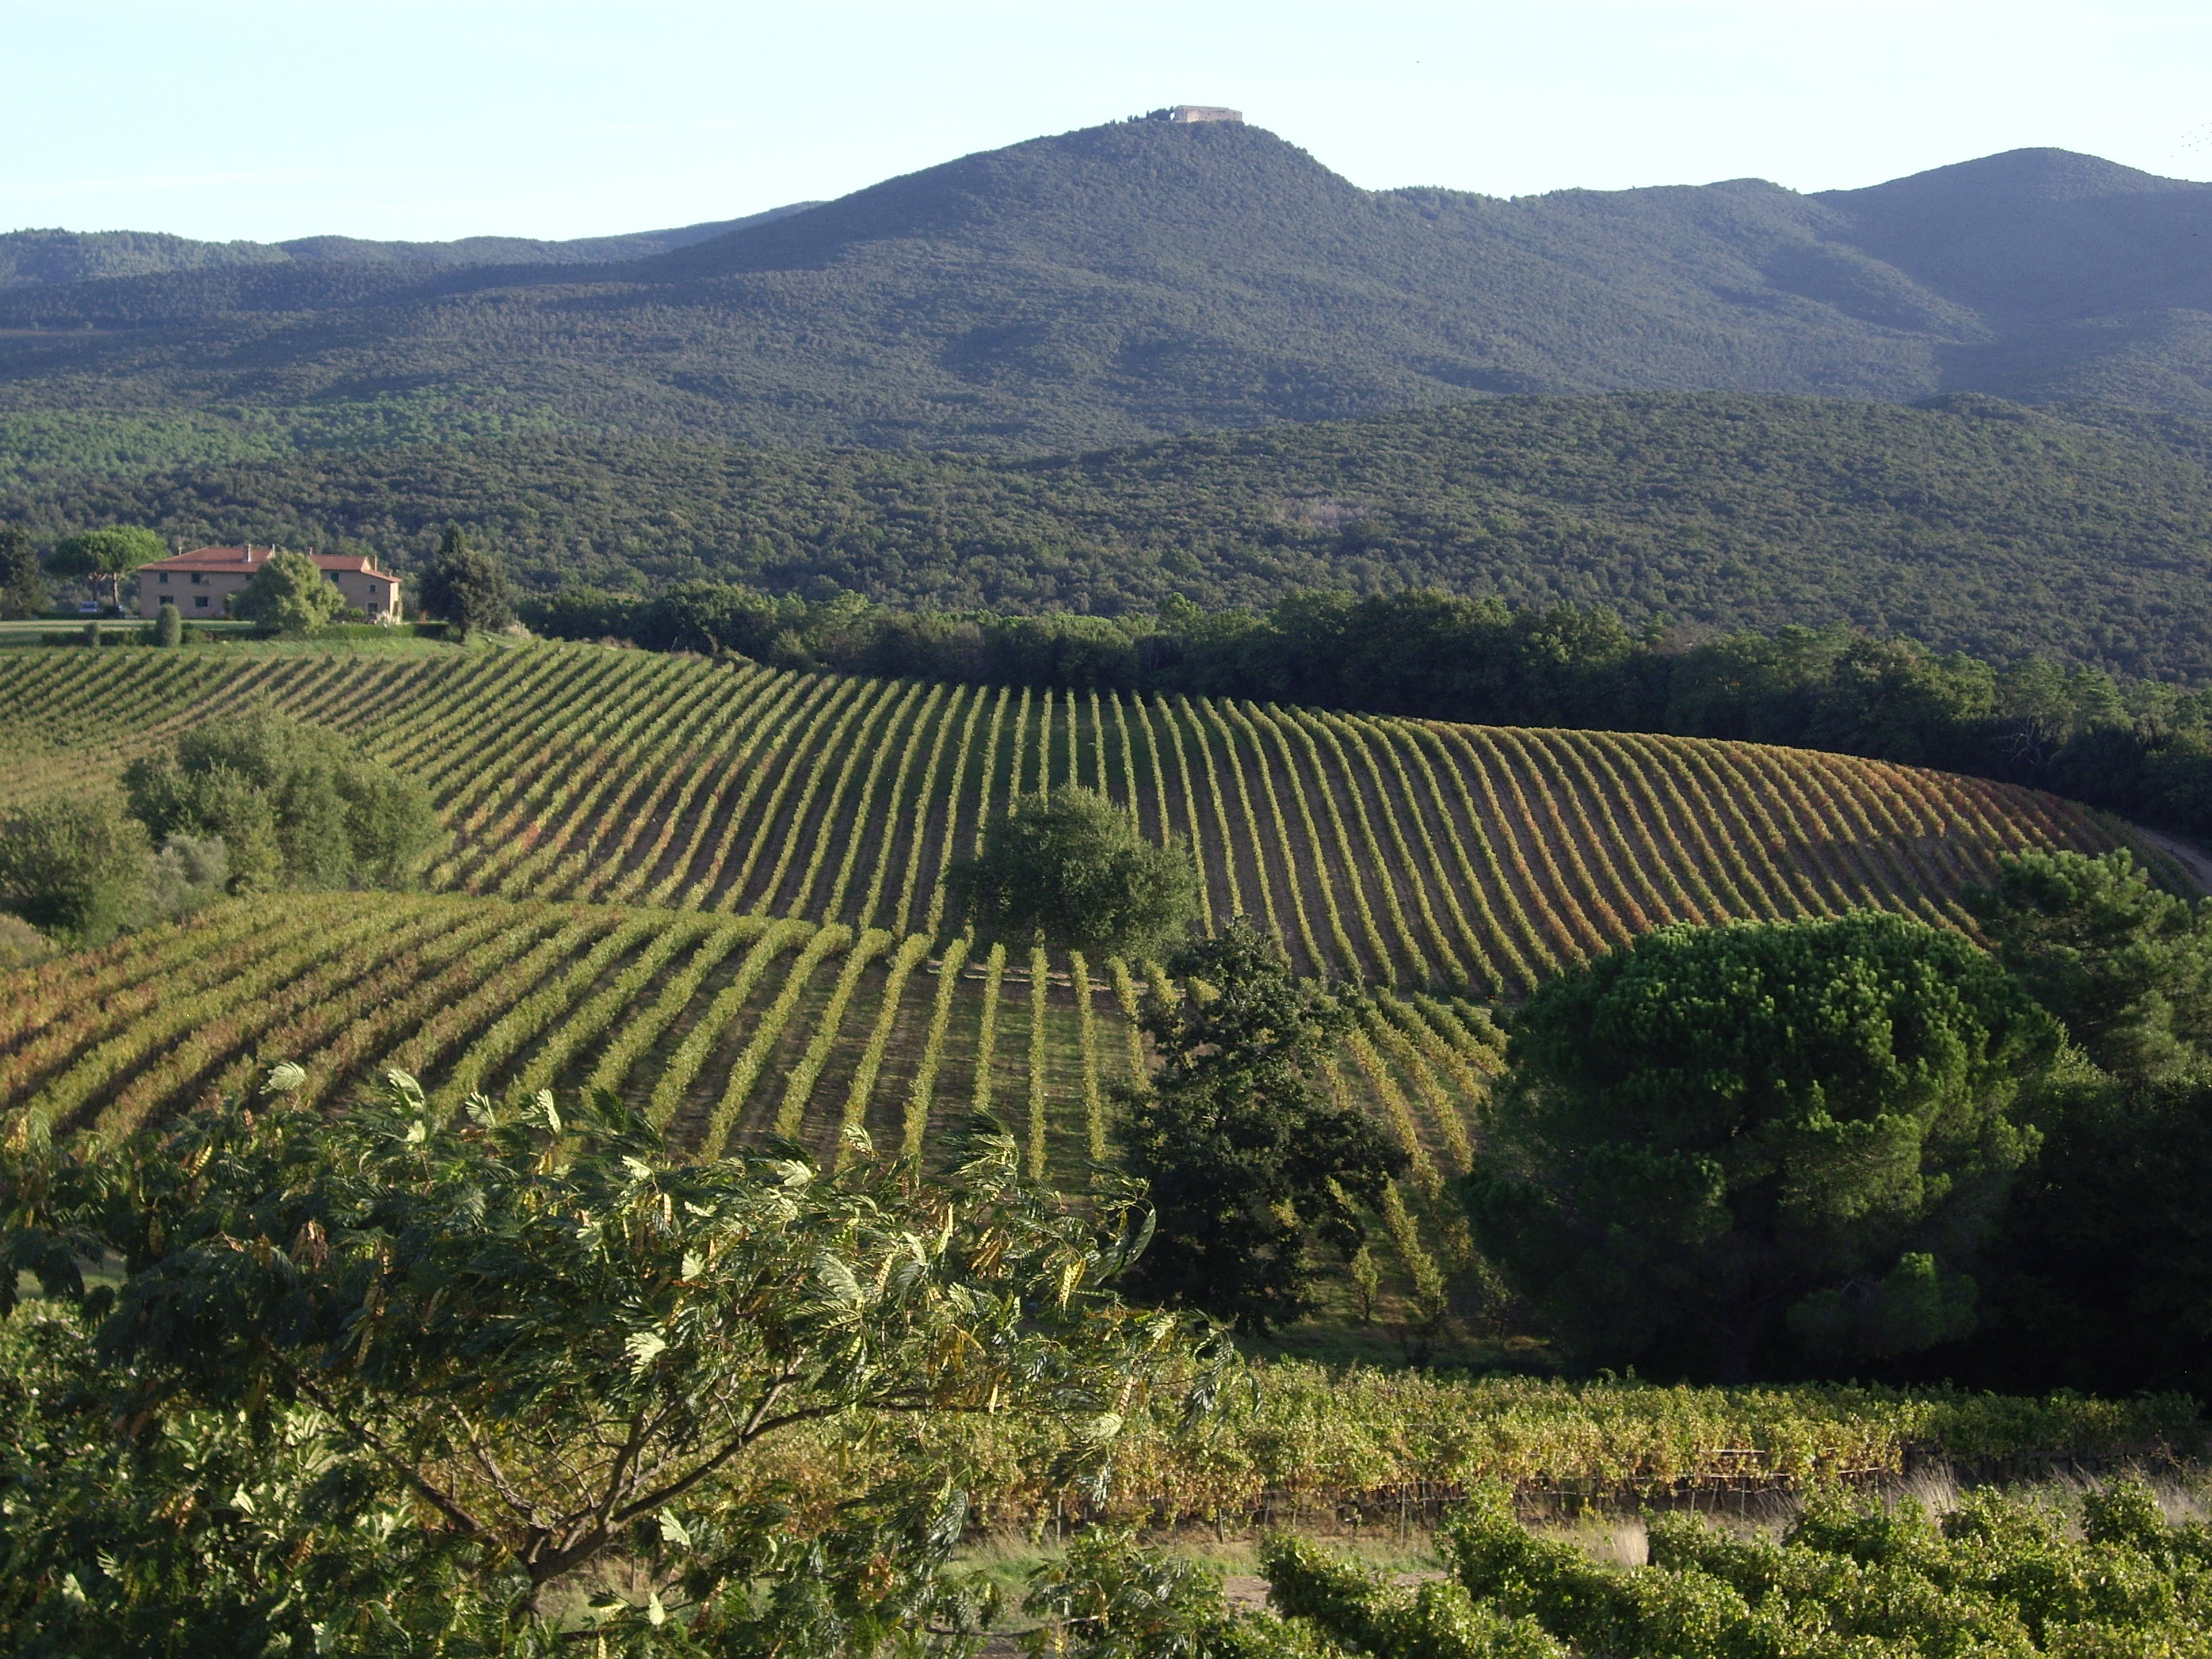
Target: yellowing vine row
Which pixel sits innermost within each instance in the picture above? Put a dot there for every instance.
(722, 1029)
(1397, 852)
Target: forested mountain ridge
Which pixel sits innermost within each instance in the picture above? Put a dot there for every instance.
(32, 259)
(1971, 523)
(1145, 278)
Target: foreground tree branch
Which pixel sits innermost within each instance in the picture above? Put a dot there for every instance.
(548, 1332)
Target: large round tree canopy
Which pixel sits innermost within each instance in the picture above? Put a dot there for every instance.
(1071, 869)
(1719, 1133)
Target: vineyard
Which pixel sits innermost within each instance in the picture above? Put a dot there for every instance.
(1396, 852)
(719, 1028)
(721, 892)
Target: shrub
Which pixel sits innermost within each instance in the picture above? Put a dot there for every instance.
(405, 1380)
(168, 625)
(74, 867)
(294, 804)
(21, 944)
(187, 872)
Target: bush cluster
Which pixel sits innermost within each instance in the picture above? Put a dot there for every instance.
(240, 804)
(295, 804)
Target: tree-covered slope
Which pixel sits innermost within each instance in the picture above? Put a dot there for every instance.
(1972, 523)
(36, 258)
(1144, 278)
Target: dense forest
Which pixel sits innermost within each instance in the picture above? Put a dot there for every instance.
(1144, 279)
(1970, 524)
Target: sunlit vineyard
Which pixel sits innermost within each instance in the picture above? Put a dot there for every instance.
(1400, 851)
(721, 892)
(723, 1030)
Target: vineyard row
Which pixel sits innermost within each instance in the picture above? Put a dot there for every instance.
(1399, 851)
(720, 1029)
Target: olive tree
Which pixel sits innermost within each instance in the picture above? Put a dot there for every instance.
(1720, 1147)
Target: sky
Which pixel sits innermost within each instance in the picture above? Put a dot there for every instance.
(244, 119)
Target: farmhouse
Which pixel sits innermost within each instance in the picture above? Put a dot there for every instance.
(201, 582)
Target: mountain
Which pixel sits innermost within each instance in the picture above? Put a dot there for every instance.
(1147, 278)
(1970, 523)
(37, 257)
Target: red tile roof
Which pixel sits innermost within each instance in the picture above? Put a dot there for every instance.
(251, 558)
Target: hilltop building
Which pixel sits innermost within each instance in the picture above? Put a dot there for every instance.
(202, 581)
(1186, 113)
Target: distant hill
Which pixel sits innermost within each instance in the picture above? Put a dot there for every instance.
(37, 257)
(1144, 279)
(1971, 523)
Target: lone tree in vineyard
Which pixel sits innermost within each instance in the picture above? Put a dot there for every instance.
(1247, 1155)
(1720, 1142)
(1071, 870)
(464, 588)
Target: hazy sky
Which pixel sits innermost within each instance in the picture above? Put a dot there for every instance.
(243, 118)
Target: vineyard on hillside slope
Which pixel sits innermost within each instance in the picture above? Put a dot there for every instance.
(1394, 851)
(721, 1030)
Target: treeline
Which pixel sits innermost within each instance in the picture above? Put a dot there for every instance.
(2136, 747)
